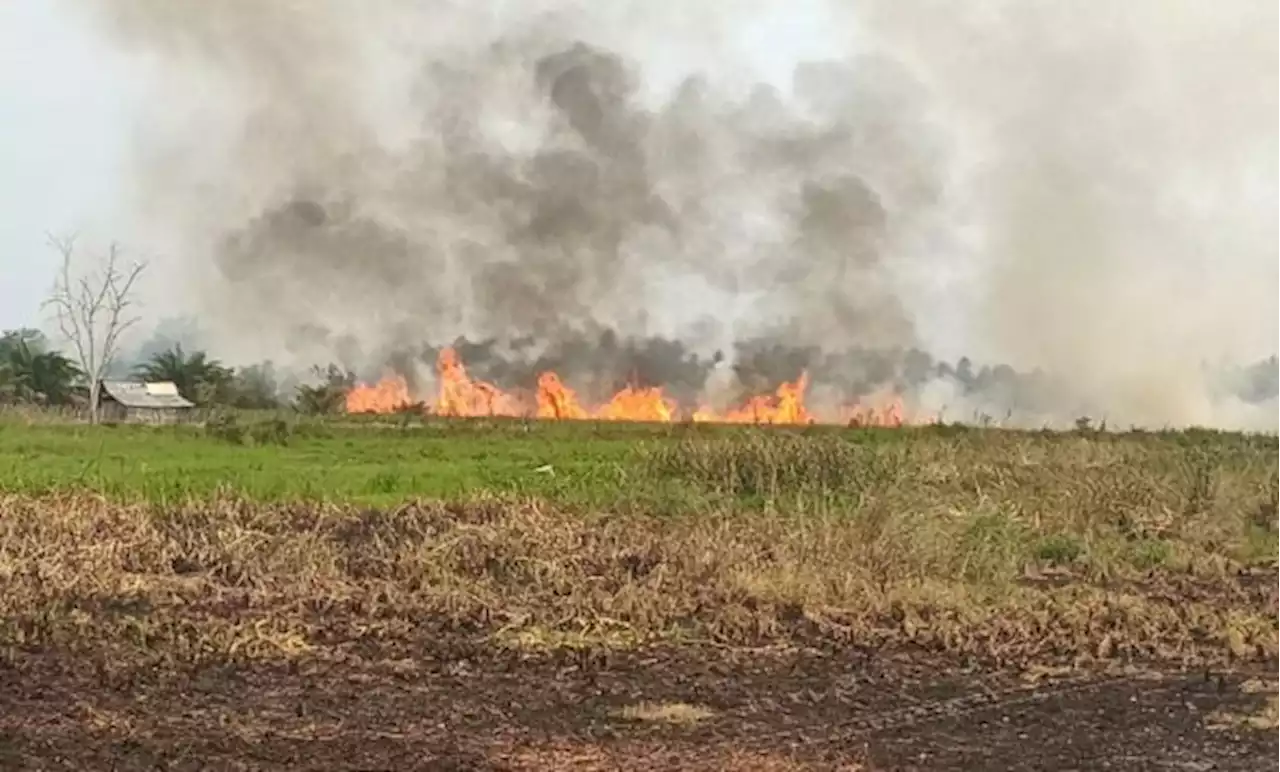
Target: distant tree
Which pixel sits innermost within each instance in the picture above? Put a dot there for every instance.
(31, 373)
(11, 338)
(93, 310)
(10, 391)
(167, 333)
(327, 397)
(983, 380)
(47, 377)
(254, 388)
(200, 379)
(11, 341)
(1262, 380)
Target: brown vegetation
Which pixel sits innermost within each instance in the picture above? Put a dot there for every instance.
(230, 581)
(755, 601)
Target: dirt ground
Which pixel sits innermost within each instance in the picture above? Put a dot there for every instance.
(474, 708)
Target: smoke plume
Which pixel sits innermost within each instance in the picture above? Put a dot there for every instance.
(530, 181)
(1088, 192)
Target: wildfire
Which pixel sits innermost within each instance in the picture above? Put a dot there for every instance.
(786, 406)
(889, 414)
(555, 400)
(386, 396)
(461, 395)
(633, 404)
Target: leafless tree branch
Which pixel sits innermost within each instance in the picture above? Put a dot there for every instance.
(93, 309)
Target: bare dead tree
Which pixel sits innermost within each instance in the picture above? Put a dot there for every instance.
(93, 309)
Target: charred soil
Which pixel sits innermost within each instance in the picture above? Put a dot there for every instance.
(662, 708)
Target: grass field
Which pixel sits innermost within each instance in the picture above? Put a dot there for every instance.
(651, 587)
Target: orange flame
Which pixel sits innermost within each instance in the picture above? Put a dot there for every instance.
(386, 396)
(555, 400)
(786, 406)
(636, 404)
(877, 410)
(460, 395)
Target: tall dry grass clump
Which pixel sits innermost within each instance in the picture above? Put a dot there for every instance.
(770, 465)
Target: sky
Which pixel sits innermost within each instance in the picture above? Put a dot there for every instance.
(65, 107)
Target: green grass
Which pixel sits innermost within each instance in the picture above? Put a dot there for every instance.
(1083, 500)
(360, 461)
(349, 463)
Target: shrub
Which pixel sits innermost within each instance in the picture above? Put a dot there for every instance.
(225, 428)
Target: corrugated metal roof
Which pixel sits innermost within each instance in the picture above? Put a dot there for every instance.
(161, 394)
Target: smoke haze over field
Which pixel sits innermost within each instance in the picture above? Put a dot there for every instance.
(531, 189)
(1126, 190)
(1091, 193)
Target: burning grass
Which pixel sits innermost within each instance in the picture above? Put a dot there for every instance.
(460, 395)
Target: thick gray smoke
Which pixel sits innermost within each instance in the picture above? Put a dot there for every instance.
(534, 188)
(1094, 193)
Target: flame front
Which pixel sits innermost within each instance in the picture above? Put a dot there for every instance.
(555, 400)
(785, 406)
(460, 395)
(635, 404)
(386, 396)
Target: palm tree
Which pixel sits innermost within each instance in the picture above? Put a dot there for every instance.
(29, 373)
(11, 338)
(198, 378)
(51, 377)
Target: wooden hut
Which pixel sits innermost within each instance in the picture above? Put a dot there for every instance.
(149, 403)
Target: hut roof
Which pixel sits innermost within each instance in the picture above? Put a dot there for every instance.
(157, 395)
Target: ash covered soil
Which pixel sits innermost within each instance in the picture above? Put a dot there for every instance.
(669, 708)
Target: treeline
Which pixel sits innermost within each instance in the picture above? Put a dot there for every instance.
(33, 372)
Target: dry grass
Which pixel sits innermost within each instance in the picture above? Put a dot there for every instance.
(234, 580)
(1266, 716)
(671, 713)
(982, 503)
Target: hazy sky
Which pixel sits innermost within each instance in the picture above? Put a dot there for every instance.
(64, 126)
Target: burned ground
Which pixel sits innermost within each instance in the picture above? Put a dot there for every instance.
(696, 708)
